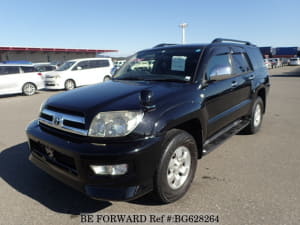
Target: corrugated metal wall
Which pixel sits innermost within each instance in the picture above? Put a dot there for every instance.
(43, 56)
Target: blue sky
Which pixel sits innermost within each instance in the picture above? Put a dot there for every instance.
(131, 25)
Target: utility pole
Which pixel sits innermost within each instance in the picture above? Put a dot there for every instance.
(183, 26)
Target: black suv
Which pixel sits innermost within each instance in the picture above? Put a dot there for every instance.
(145, 130)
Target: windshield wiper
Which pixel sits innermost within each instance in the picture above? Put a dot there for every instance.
(130, 78)
(153, 79)
(168, 80)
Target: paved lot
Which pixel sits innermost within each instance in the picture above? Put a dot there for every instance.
(247, 180)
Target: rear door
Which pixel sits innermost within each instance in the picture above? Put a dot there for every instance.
(100, 68)
(244, 74)
(9, 79)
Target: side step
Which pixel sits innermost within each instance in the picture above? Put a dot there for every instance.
(217, 139)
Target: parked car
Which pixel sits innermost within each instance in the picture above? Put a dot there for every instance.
(19, 78)
(119, 63)
(268, 64)
(144, 130)
(294, 62)
(79, 72)
(276, 62)
(45, 68)
(284, 61)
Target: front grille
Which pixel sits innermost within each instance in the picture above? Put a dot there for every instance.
(54, 157)
(64, 120)
(50, 84)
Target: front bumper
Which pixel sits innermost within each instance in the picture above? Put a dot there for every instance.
(69, 161)
(51, 83)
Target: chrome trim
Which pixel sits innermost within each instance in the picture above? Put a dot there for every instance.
(77, 119)
(64, 128)
(58, 119)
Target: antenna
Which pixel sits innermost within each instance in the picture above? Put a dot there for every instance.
(183, 26)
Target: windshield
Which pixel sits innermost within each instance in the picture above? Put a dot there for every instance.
(65, 66)
(171, 64)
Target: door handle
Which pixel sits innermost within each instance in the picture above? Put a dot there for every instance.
(251, 77)
(234, 84)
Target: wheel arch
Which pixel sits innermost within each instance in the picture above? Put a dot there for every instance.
(194, 128)
(262, 94)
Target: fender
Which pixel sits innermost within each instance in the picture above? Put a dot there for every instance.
(179, 114)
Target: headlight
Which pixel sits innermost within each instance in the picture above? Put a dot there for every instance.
(115, 123)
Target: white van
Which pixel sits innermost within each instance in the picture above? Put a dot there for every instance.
(79, 72)
(294, 62)
(19, 78)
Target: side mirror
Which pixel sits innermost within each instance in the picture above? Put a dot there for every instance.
(79, 68)
(219, 72)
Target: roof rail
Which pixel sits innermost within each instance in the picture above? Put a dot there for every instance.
(220, 40)
(163, 45)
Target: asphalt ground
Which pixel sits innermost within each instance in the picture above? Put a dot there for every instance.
(250, 179)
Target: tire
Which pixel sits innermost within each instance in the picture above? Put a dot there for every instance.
(106, 78)
(170, 184)
(29, 89)
(70, 84)
(256, 117)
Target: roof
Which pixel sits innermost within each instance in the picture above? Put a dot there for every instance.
(29, 49)
(15, 64)
(201, 45)
(84, 59)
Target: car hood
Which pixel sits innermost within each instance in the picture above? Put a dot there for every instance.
(113, 95)
(53, 73)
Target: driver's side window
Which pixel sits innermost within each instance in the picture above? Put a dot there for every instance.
(219, 67)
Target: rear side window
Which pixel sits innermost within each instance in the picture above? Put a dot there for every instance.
(84, 65)
(28, 69)
(49, 68)
(255, 58)
(240, 63)
(5, 70)
(98, 63)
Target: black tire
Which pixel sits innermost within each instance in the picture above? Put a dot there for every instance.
(29, 89)
(254, 125)
(70, 84)
(106, 78)
(175, 139)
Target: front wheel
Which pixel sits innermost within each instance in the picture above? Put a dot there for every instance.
(29, 89)
(177, 166)
(69, 85)
(106, 78)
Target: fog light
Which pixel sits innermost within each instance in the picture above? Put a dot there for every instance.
(119, 169)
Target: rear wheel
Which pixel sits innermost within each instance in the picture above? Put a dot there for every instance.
(177, 167)
(70, 84)
(29, 89)
(256, 117)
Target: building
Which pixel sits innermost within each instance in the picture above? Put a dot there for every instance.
(46, 54)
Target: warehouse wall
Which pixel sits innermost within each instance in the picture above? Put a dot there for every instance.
(43, 56)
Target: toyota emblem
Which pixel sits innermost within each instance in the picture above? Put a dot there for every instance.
(58, 120)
